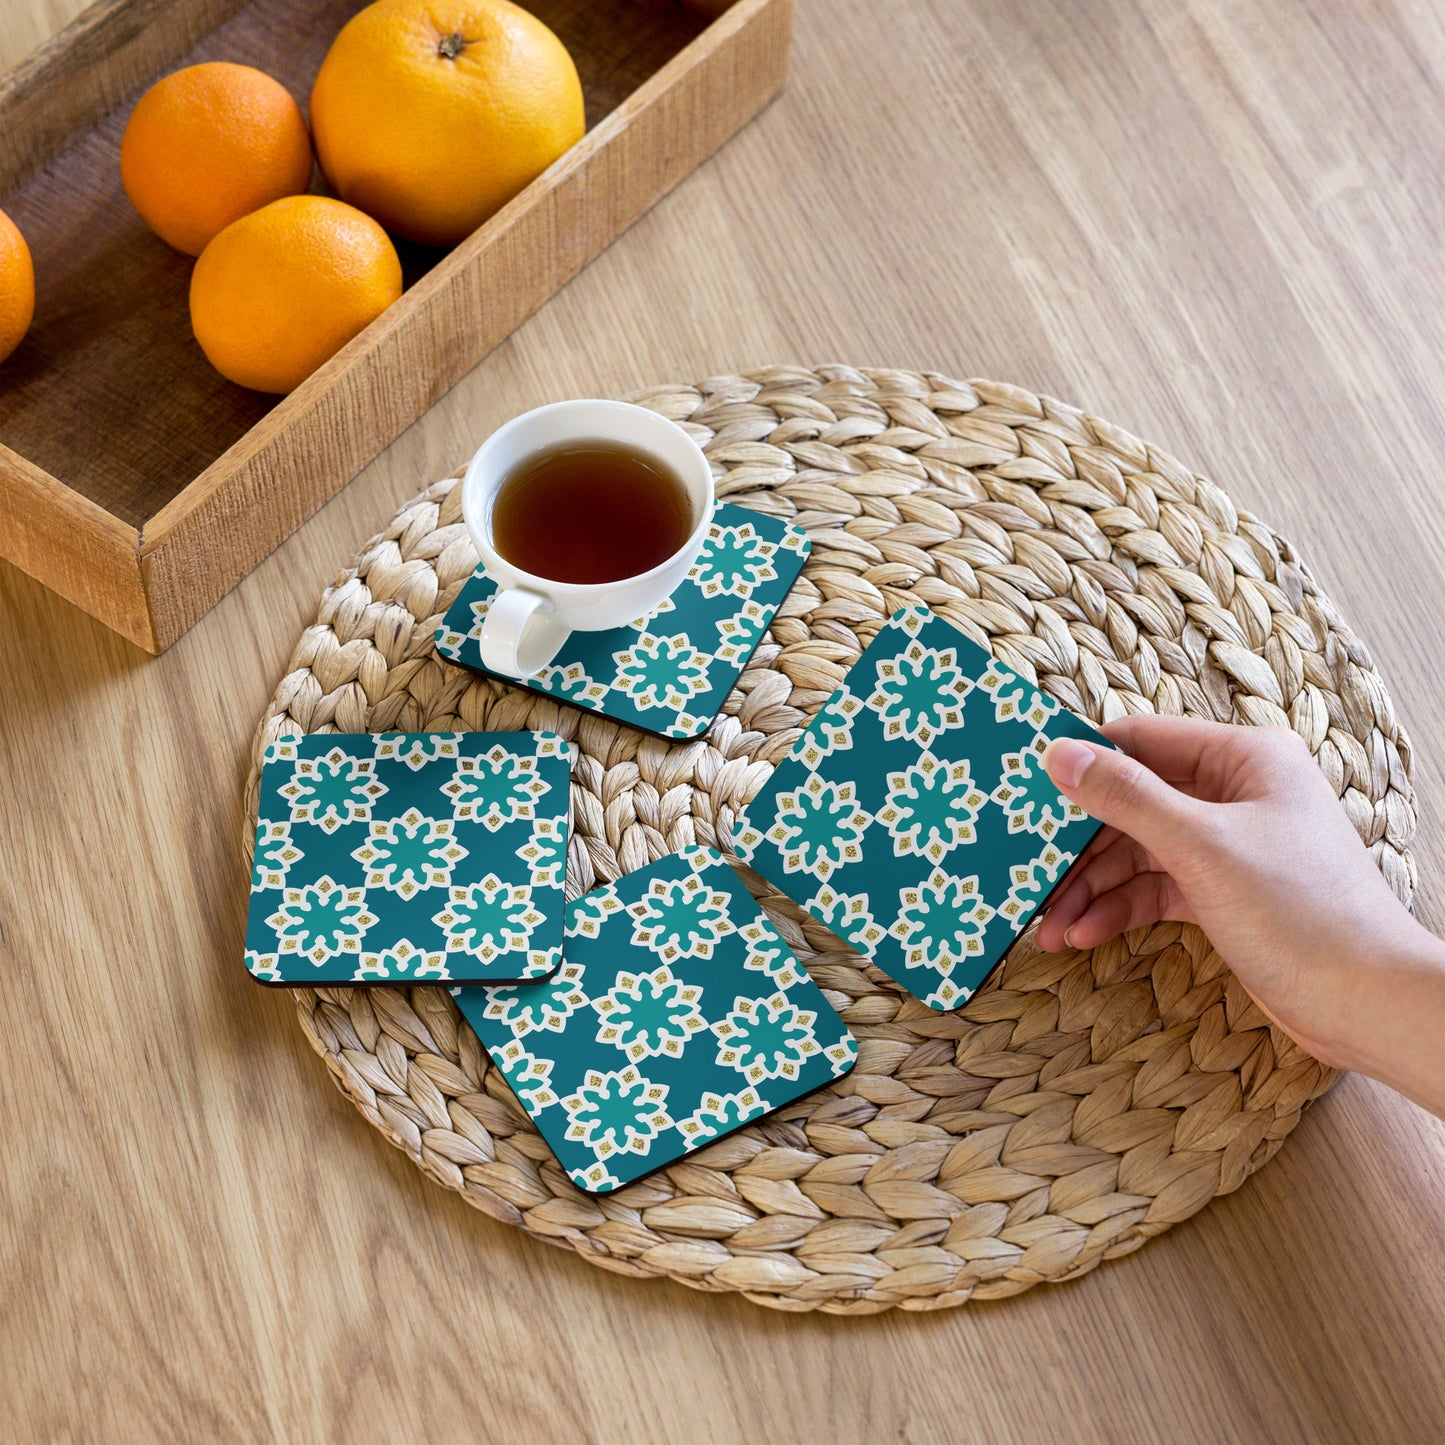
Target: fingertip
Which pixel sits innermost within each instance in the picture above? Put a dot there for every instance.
(1118, 729)
(1143, 899)
(1066, 760)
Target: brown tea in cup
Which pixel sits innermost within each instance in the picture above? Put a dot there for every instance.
(589, 512)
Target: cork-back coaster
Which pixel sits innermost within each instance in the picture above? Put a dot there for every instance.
(1079, 1103)
(678, 1014)
(914, 817)
(668, 672)
(408, 857)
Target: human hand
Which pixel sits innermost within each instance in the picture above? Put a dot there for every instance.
(1237, 830)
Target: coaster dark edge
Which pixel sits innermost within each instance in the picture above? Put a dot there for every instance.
(591, 712)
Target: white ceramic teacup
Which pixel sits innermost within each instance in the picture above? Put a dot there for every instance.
(530, 616)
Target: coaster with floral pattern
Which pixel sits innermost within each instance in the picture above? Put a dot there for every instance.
(679, 1014)
(670, 672)
(914, 817)
(409, 857)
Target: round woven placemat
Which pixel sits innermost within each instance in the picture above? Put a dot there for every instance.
(1080, 1103)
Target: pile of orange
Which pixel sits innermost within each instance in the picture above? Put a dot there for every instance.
(428, 116)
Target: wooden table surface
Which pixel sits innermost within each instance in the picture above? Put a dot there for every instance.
(1214, 222)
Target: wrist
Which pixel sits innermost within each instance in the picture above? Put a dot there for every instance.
(1391, 1024)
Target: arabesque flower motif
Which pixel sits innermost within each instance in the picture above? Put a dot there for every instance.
(489, 918)
(647, 1014)
(545, 853)
(831, 731)
(573, 682)
(553, 745)
(1028, 796)
(1032, 882)
(680, 917)
(416, 750)
(596, 1177)
(403, 963)
(657, 672)
(767, 953)
(941, 922)
(920, 692)
(722, 1113)
(766, 1038)
(495, 788)
(332, 790)
(587, 914)
(819, 827)
(738, 635)
(265, 966)
(616, 1112)
(530, 1077)
(734, 562)
(276, 853)
(410, 853)
(321, 920)
(1014, 700)
(849, 915)
(539, 1008)
(450, 642)
(931, 808)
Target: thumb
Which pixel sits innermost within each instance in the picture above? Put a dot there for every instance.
(1115, 789)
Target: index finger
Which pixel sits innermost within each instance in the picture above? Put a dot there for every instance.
(1173, 748)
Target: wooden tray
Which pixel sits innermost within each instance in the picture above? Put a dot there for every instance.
(136, 481)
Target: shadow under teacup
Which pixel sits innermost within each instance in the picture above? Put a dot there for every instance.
(531, 614)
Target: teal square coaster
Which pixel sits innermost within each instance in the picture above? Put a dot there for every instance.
(670, 672)
(409, 858)
(678, 1015)
(913, 816)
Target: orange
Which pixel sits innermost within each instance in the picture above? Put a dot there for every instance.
(209, 144)
(432, 114)
(281, 290)
(17, 286)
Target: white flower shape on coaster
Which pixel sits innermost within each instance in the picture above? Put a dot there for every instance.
(409, 857)
(409, 853)
(913, 816)
(669, 672)
(332, 788)
(679, 1015)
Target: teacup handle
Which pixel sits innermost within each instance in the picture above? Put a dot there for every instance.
(520, 636)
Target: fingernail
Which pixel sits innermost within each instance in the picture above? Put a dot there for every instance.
(1069, 937)
(1066, 760)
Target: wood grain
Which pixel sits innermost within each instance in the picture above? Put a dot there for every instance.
(1213, 224)
(69, 83)
(88, 556)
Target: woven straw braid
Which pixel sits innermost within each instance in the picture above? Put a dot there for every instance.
(1080, 1103)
